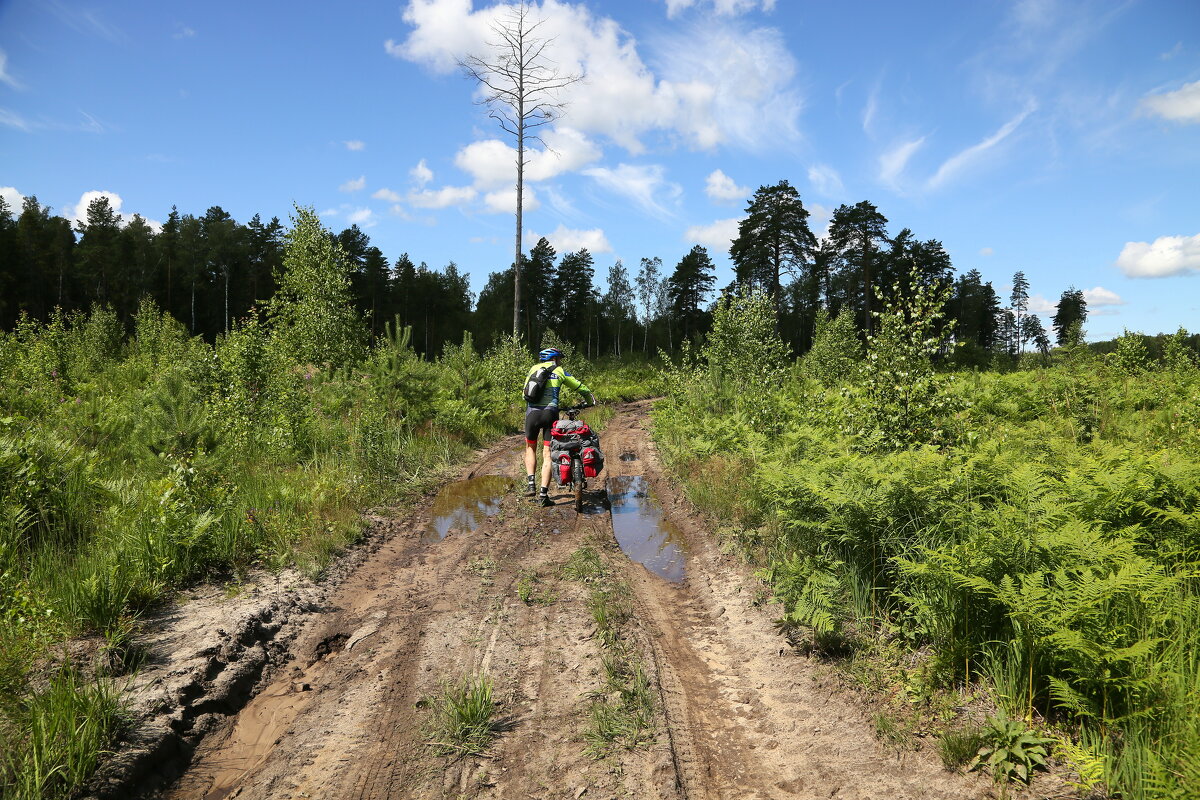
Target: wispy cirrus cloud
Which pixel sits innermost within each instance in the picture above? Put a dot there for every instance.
(6, 76)
(893, 163)
(967, 158)
(646, 185)
(723, 8)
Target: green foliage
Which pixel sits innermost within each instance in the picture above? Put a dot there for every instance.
(1047, 547)
(899, 401)
(1010, 750)
(1131, 356)
(836, 351)
(312, 315)
(1177, 356)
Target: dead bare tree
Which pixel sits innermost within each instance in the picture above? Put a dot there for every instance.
(521, 92)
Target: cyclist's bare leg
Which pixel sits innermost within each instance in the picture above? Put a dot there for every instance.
(546, 466)
(530, 457)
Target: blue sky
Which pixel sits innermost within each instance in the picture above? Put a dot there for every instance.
(1057, 137)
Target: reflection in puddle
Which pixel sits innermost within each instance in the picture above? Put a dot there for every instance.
(462, 506)
(628, 457)
(641, 529)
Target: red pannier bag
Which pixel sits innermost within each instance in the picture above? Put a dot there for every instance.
(593, 462)
(564, 469)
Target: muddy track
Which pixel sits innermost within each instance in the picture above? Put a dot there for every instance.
(740, 715)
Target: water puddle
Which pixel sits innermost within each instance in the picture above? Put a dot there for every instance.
(628, 457)
(642, 529)
(462, 506)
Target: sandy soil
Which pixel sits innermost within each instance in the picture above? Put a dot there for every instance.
(333, 706)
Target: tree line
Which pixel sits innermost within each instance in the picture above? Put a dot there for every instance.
(209, 271)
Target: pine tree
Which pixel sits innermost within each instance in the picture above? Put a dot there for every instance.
(773, 240)
(1071, 310)
(858, 233)
(1020, 306)
(688, 288)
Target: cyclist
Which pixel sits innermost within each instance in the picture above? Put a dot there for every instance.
(542, 413)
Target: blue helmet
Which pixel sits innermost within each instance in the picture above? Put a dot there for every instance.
(549, 353)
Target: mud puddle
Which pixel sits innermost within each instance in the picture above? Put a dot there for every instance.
(642, 530)
(462, 506)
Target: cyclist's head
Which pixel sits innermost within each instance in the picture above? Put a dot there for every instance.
(550, 353)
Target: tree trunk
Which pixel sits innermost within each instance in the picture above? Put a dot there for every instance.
(520, 205)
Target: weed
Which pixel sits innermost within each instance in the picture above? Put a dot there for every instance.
(1010, 750)
(584, 565)
(531, 590)
(462, 721)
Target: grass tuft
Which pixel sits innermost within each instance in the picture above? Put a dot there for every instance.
(463, 721)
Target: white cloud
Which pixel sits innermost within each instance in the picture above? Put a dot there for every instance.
(355, 185)
(184, 32)
(1174, 51)
(987, 251)
(825, 179)
(641, 184)
(893, 162)
(1099, 297)
(716, 236)
(355, 145)
(819, 217)
(362, 217)
(567, 240)
(387, 194)
(442, 198)
(14, 199)
(504, 201)
(493, 163)
(1040, 305)
(722, 189)
(79, 213)
(1166, 255)
(421, 173)
(727, 83)
(5, 76)
(1181, 105)
(964, 159)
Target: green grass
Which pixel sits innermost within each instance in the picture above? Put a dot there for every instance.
(462, 720)
(54, 740)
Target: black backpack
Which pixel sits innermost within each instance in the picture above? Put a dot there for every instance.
(537, 384)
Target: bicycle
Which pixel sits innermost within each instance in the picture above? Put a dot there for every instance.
(576, 452)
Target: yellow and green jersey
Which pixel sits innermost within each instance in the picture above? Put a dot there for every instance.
(557, 379)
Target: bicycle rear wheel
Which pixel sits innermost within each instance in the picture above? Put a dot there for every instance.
(577, 480)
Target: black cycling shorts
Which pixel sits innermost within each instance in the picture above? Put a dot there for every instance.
(539, 420)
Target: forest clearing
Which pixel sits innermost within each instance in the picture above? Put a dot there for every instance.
(895, 506)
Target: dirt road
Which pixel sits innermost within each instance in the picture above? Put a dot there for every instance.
(739, 714)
